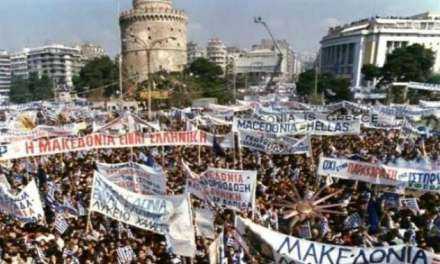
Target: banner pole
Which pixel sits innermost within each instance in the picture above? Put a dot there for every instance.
(89, 220)
(199, 150)
(240, 154)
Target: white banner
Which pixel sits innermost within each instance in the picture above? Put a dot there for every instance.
(166, 215)
(204, 219)
(26, 206)
(135, 177)
(380, 174)
(29, 148)
(275, 247)
(234, 189)
(275, 146)
(316, 127)
(42, 131)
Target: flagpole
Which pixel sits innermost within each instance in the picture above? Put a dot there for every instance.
(239, 151)
(89, 220)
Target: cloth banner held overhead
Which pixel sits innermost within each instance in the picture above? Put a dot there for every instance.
(380, 174)
(315, 127)
(29, 148)
(135, 177)
(26, 206)
(167, 215)
(204, 219)
(275, 146)
(275, 247)
(234, 189)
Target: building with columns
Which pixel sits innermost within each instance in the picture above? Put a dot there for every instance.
(154, 38)
(345, 49)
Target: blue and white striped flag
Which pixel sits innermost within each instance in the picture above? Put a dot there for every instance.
(304, 231)
(125, 254)
(61, 224)
(40, 254)
(353, 221)
(324, 226)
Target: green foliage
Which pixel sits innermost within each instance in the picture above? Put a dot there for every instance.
(206, 78)
(32, 89)
(412, 63)
(19, 91)
(334, 88)
(204, 69)
(435, 78)
(100, 72)
(371, 72)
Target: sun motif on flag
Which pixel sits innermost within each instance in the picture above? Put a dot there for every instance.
(303, 208)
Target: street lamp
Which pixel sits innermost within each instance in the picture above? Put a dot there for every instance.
(148, 48)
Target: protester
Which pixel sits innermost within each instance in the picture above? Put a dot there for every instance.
(71, 234)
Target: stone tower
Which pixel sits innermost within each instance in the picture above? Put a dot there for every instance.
(153, 33)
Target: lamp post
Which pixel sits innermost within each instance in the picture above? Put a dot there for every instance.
(148, 48)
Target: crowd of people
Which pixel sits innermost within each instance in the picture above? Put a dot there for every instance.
(65, 180)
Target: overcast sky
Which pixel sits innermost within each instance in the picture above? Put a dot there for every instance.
(25, 23)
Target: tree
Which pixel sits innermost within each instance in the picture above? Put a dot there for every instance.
(43, 88)
(208, 78)
(32, 89)
(408, 64)
(204, 69)
(334, 88)
(19, 91)
(100, 72)
(371, 72)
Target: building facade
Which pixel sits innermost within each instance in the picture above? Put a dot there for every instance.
(154, 38)
(5, 76)
(263, 60)
(60, 63)
(195, 52)
(90, 51)
(345, 49)
(19, 64)
(217, 53)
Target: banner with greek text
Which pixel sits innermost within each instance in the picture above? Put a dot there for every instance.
(380, 174)
(275, 146)
(39, 147)
(135, 177)
(234, 189)
(315, 127)
(166, 215)
(274, 247)
(25, 206)
(42, 131)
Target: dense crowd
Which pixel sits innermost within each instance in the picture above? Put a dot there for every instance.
(64, 181)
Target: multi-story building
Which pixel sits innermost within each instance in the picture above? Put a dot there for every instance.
(60, 63)
(90, 51)
(5, 76)
(263, 60)
(195, 52)
(19, 64)
(154, 38)
(345, 49)
(216, 52)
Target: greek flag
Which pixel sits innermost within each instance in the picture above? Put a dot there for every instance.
(324, 226)
(40, 254)
(61, 224)
(353, 221)
(69, 253)
(125, 254)
(304, 231)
